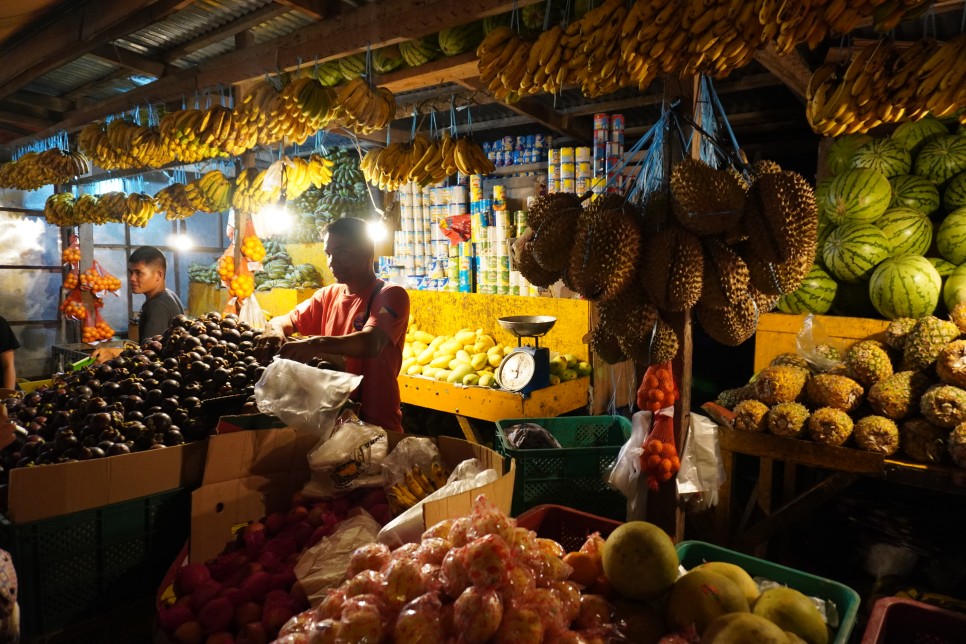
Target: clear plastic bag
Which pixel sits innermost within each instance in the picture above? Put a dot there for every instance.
(702, 472)
(306, 398)
(412, 471)
(251, 313)
(817, 347)
(350, 459)
(626, 476)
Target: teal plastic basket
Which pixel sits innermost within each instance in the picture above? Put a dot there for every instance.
(846, 600)
(79, 566)
(574, 474)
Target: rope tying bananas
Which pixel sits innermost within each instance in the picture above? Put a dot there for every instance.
(423, 161)
(885, 84)
(36, 169)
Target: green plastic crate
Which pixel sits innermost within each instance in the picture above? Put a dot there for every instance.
(576, 473)
(75, 567)
(846, 600)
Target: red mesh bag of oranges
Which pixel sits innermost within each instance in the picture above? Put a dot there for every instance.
(96, 329)
(71, 256)
(97, 280)
(658, 393)
(73, 307)
(252, 246)
(239, 280)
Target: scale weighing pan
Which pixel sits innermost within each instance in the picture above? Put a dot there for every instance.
(528, 326)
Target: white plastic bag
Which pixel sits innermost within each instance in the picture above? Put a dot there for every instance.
(813, 335)
(351, 458)
(251, 313)
(306, 398)
(626, 477)
(408, 526)
(702, 472)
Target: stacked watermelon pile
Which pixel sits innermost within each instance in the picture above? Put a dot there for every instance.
(892, 231)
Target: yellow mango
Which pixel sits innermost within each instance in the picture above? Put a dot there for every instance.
(406, 363)
(494, 359)
(414, 369)
(450, 346)
(422, 336)
(478, 361)
(471, 379)
(442, 374)
(463, 356)
(487, 380)
(441, 361)
(429, 372)
(465, 337)
(426, 356)
(408, 351)
(438, 340)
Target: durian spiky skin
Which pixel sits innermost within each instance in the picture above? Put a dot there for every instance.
(607, 346)
(782, 218)
(838, 392)
(705, 201)
(531, 270)
(829, 426)
(896, 332)
(731, 397)
(553, 240)
(725, 275)
(733, 324)
(788, 419)
(951, 364)
(792, 359)
(750, 416)
(867, 363)
(780, 384)
(924, 442)
(778, 278)
(925, 341)
(877, 434)
(957, 445)
(617, 245)
(672, 268)
(897, 396)
(629, 314)
(944, 405)
(546, 206)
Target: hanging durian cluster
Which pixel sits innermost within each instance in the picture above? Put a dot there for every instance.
(722, 242)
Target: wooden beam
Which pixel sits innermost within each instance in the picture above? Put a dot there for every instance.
(78, 29)
(79, 94)
(51, 103)
(129, 60)
(347, 33)
(438, 72)
(311, 8)
(29, 123)
(791, 68)
(227, 30)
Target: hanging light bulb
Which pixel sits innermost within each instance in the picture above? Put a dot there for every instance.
(181, 241)
(376, 229)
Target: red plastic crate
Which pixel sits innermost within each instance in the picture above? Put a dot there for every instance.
(896, 620)
(568, 527)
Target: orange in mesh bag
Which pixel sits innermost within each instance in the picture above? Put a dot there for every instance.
(95, 328)
(97, 279)
(657, 393)
(73, 307)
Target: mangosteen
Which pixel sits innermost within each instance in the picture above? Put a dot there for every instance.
(156, 409)
(83, 390)
(150, 383)
(83, 453)
(99, 421)
(149, 354)
(146, 373)
(95, 385)
(158, 423)
(220, 375)
(105, 371)
(198, 369)
(191, 403)
(118, 448)
(168, 405)
(95, 405)
(33, 399)
(25, 461)
(97, 451)
(154, 345)
(179, 416)
(170, 387)
(109, 434)
(173, 437)
(154, 397)
(229, 322)
(133, 429)
(132, 403)
(105, 445)
(156, 446)
(192, 389)
(27, 414)
(190, 343)
(231, 336)
(239, 379)
(170, 363)
(65, 439)
(133, 415)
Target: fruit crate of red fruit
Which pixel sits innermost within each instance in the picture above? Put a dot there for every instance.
(896, 620)
(576, 471)
(568, 527)
(74, 567)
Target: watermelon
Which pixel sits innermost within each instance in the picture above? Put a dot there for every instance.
(954, 291)
(884, 155)
(955, 194)
(951, 238)
(387, 59)
(909, 231)
(456, 40)
(857, 196)
(824, 228)
(910, 191)
(840, 153)
(944, 268)
(907, 286)
(942, 159)
(912, 135)
(815, 295)
(820, 189)
(492, 22)
(852, 252)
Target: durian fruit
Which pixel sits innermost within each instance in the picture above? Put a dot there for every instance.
(780, 384)
(548, 206)
(838, 392)
(527, 264)
(672, 268)
(750, 416)
(958, 316)
(867, 362)
(944, 405)
(632, 313)
(787, 419)
(897, 396)
(781, 217)
(957, 445)
(877, 434)
(829, 426)
(657, 210)
(615, 249)
(731, 397)
(781, 278)
(725, 276)
(925, 341)
(792, 359)
(951, 363)
(605, 344)
(733, 324)
(763, 166)
(705, 201)
(664, 345)
(764, 301)
(552, 241)
(896, 332)
(924, 442)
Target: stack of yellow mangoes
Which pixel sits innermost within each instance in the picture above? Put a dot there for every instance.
(468, 357)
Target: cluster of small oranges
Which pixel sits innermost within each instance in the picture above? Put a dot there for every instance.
(74, 309)
(226, 268)
(70, 254)
(241, 286)
(100, 331)
(94, 281)
(70, 280)
(253, 249)
(660, 459)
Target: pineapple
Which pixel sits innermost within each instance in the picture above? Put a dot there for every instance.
(944, 405)
(840, 392)
(867, 363)
(898, 395)
(957, 445)
(896, 332)
(790, 359)
(924, 342)
(829, 426)
(877, 434)
(922, 441)
(958, 316)
(731, 397)
(750, 416)
(787, 419)
(780, 384)
(951, 363)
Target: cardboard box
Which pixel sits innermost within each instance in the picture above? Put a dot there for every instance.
(36, 493)
(250, 474)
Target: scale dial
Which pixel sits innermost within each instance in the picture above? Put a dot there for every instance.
(517, 370)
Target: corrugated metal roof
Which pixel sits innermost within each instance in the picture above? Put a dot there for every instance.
(74, 74)
(268, 30)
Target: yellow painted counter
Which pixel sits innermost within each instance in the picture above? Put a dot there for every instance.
(493, 404)
(778, 333)
(203, 298)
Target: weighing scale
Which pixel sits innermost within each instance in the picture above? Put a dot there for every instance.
(526, 368)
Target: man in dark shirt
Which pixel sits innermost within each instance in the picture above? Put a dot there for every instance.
(146, 269)
(8, 343)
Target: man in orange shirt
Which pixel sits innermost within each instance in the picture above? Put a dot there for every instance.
(361, 319)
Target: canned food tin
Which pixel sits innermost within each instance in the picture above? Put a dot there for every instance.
(585, 170)
(567, 185)
(568, 171)
(601, 121)
(582, 154)
(553, 156)
(499, 197)
(566, 155)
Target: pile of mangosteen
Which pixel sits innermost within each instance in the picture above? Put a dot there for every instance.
(145, 398)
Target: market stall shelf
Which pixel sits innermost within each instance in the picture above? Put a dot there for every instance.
(778, 333)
